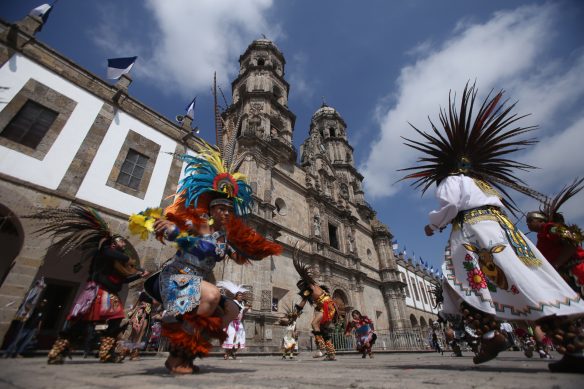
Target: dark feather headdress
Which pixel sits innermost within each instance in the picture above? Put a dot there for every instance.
(551, 207)
(306, 272)
(476, 146)
(550, 211)
(77, 228)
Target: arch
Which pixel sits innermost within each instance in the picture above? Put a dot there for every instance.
(11, 240)
(423, 323)
(342, 301)
(413, 321)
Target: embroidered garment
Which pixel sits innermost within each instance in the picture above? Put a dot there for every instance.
(493, 266)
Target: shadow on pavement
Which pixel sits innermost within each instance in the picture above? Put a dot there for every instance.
(482, 368)
(162, 372)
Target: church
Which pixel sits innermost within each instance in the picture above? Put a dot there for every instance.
(68, 137)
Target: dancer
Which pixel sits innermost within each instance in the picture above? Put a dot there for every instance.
(205, 221)
(325, 309)
(235, 330)
(561, 244)
(113, 262)
(495, 271)
(364, 334)
(138, 323)
(290, 338)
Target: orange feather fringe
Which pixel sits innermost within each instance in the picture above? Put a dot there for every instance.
(197, 342)
(248, 243)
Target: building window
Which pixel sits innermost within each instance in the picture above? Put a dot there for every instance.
(280, 207)
(422, 290)
(415, 288)
(275, 302)
(30, 124)
(132, 169)
(404, 280)
(333, 238)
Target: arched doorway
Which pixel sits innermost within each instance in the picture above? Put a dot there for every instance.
(413, 321)
(423, 322)
(342, 303)
(11, 240)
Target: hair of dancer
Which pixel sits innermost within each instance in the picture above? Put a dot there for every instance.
(364, 334)
(113, 261)
(206, 223)
(494, 271)
(235, 330)
(325, 309)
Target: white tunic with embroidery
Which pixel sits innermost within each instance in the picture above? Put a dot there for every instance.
(493, 266)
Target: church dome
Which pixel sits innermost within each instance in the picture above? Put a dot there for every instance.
(325, 110)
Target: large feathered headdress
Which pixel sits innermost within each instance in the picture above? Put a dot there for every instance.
(78, 228)
(208, 176)
(473, 145)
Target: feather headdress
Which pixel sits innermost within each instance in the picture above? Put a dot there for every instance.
(307, 272)
(231, 287)
(78, 228)
(551, 207)
(207, 176)
(476, 146)
(550, 212)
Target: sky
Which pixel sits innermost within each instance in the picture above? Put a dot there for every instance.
(380, 64)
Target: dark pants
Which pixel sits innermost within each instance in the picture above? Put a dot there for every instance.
(23, 339)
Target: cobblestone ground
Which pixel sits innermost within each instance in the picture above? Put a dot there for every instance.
(510, 370)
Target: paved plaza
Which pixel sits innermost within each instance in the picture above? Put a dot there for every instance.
(390, 370)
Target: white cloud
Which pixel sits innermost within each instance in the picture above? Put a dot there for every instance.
(508, 51)
(562, 158)
(190, 40)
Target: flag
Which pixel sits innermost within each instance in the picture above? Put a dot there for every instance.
(395, 246)
(42, 12)
(116, 67)
(404, 250)
(191, 108)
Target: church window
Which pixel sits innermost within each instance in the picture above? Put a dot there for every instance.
(407, 288)
(422, 290)
(332, 131)
(415, 288)
(261, 62)
(132, 169)
(281, 207)
(333, 238)
(30, 124)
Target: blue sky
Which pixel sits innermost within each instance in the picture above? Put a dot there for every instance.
(381, 64)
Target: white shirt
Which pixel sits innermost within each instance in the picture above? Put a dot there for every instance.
(455, 194)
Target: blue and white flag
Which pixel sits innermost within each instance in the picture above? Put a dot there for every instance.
(394, 245)
(191, 108)
(116, 67)
(42, 12)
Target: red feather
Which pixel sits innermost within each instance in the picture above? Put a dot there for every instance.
(248, 243)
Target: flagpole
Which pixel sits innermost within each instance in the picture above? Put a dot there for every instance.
(217, 115)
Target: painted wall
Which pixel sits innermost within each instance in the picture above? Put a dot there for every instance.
(50, 171)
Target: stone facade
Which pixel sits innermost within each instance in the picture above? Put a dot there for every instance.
(318, 202)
